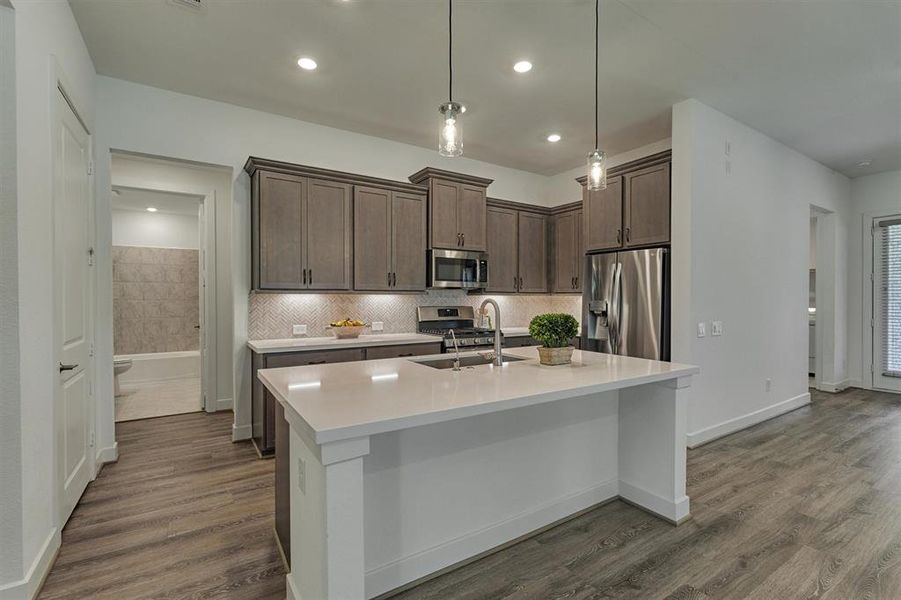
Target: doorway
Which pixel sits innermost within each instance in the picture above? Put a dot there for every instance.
(886, 303)
(158, 300)
(812, 304)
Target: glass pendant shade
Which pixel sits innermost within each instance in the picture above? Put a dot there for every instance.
(450, 136)
(597, 170)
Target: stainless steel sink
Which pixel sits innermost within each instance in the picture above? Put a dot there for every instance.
(465, 361)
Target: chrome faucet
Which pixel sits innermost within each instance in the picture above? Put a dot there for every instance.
(498, 357)
(456, 351)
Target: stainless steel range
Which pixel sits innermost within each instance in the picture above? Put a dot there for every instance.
(440, 320)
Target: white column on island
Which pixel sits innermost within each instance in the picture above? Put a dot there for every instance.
(652, 424)
(327, 518)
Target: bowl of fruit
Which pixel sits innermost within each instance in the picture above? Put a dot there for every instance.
(347, 328)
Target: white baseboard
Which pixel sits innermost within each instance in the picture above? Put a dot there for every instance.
(28, 587)
(224, 404)
(833, 388)
(410, 568)
(292, 591)
(241, 432)
(858, 383)
(110, 454)
(743, 422)
(651, 502)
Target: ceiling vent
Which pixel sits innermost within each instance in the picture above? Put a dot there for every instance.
(193, 5)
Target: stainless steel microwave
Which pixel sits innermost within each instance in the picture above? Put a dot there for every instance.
(457, 269)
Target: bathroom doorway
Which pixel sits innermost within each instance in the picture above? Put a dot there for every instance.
(158, 302)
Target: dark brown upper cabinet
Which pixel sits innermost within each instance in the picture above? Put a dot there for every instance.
(389, 240)
(633, 211)
(517, 249)
(603, 214)
(647, 206)
(303, 230)
(503, 274)
(566, 267)
(457, 212)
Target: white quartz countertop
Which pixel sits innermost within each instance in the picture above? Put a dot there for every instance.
(331, 343)
(333, 402)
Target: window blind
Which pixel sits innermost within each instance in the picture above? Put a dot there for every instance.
(889, 286)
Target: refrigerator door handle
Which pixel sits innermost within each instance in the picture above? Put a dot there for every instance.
(614, 310)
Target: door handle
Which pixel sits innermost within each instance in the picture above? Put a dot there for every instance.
(63, 367)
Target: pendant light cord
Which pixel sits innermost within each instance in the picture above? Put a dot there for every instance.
(450, 50)
(597, 43)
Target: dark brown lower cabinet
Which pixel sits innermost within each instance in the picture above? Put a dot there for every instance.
(520, 341)
(282, 483)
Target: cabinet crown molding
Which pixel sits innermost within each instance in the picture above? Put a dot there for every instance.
(433, 173)
(645, 161)
(255, 163)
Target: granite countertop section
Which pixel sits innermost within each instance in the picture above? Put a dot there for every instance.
(331, 343)
(333, 402)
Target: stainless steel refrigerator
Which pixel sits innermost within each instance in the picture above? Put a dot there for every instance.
(626, 303)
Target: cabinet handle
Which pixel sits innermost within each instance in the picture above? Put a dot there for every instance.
(463, 237)
(311, 276)
(459, 241)
(515, 283)
(572, 283)
(405, 354)
(304, 276)
(317, 362)
(389, 278)
(577, 282)
(619, 236)
(394, 279)
(628, 234)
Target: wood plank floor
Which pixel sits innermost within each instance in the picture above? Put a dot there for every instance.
(807, 505)
(185, 513)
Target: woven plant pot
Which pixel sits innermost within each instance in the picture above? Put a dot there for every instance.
(555, 356)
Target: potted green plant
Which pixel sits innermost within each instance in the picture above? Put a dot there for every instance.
(554, 331)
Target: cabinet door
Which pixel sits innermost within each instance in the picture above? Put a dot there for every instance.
(402, 351)
(564, 234)
(532, 252)
(502, 250)
(443, 214)
(372, 239)
(603, 214)
(471, 216)
(316, 357)
(280, 231)
(579, 253)
(329, 245)
(408, 241)
(647, 206)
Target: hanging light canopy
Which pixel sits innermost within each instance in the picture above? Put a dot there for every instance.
(597, 159)
(450, 136)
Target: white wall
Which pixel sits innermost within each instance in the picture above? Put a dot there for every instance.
(563, 187)
(872, 195)
(48, 42)
(740, 248)
(155, 230)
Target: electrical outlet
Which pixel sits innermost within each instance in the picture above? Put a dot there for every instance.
(716, 328)
(378, 326)
(300, 330)
(702, 329)
(769, 384)
(302, 475)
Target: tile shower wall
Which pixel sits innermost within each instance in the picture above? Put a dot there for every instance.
(156, 300)
(273, 315)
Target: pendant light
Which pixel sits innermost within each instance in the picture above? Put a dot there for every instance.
(450, 136)
(597, 159)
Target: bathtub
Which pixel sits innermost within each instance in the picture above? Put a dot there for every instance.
(160, 366)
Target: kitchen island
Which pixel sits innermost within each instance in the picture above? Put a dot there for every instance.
(398, 470)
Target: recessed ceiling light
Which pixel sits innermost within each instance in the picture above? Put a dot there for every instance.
(306, 63)
(522, 66)
(865, 163)
(554, 138)
(151, 209)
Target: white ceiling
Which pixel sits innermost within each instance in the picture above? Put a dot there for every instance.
(165, 203)
(822, 76)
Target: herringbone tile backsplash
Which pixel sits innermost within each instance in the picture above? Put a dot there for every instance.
(272, 316)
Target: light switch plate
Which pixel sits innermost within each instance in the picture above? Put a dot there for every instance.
(702, 329)
(716, 328)
(300, 330)
(378, 326)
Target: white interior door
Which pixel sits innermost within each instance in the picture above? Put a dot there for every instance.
(72, 299)
(204, 352)
(887, 303)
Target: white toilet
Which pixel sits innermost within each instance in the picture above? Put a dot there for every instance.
(120, 365)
